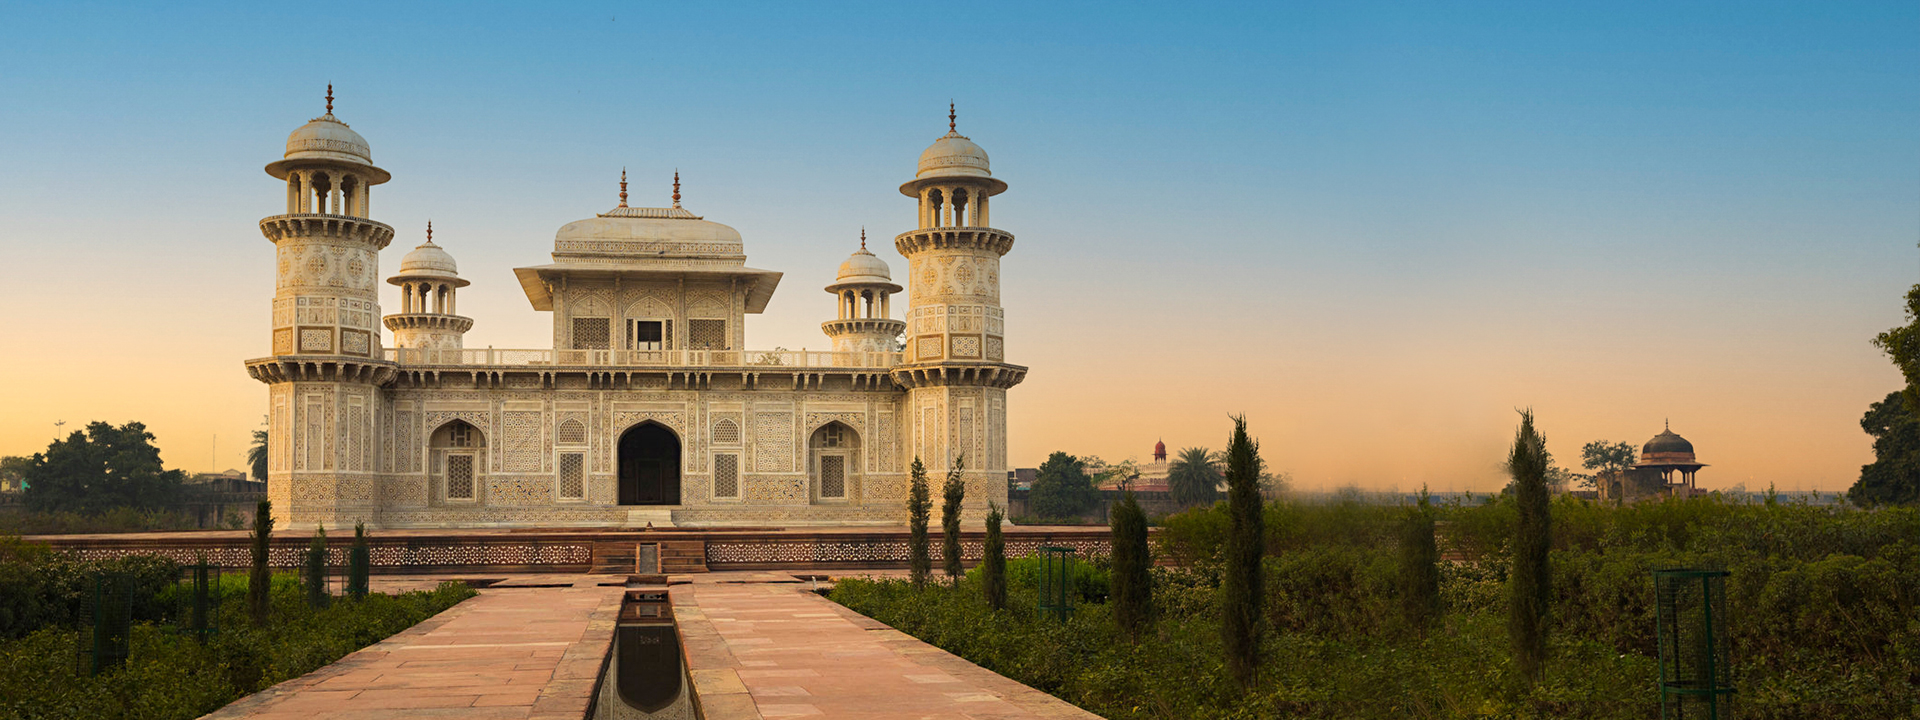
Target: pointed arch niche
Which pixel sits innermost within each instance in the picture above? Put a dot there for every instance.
(833, 463)
(457, 453)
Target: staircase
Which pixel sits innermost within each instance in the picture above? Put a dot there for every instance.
(657, 516)
(673, 557)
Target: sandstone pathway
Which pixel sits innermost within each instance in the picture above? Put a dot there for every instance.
(508, 653)
(766, 650)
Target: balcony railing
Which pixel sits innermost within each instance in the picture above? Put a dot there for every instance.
(644, 358)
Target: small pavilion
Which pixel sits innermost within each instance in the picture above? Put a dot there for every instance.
(1668, 454)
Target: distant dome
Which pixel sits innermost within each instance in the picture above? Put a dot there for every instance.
(864, 267)
(1159, 449)
(953, 155)
(1667, 442)
(428, 259)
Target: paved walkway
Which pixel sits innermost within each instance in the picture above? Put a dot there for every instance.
(508, 653)
(760, 646)
(769, 651)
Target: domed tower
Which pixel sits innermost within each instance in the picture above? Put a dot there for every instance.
(1667, 454)
(428, 281)
(954, 362)
(863, 289)
(327, 364)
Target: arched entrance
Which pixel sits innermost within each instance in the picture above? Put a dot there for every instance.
(649, 465)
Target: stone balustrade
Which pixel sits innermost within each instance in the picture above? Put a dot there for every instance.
(778, 358)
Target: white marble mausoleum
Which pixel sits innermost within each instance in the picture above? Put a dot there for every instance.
(650, 407)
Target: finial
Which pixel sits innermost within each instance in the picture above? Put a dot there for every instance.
(676, 187)
(952, 116)
(429, 231)
(863, 238)
(623, 187)
(1669, 423)
(329, 98)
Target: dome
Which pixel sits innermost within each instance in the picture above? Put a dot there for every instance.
(1668, 442)
(953, 155)
(864, 267)
(326, 138)
(637, 230)
(428, 259)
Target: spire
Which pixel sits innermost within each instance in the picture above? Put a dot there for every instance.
(429, 232)
(329, 98)
(623, 187)
(863, 238)
(952, 117)
(676, 187)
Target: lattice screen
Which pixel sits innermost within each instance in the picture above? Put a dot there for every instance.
(726, 475)
(726, 432)
(707, 334)
(460, 477)
(572, 476)
(571, 432)
(590, 333)
(833, 476)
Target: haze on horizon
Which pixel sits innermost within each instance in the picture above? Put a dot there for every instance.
(1376, 229)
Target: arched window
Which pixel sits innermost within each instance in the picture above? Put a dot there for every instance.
(571, 432)
(459, 459)
(726, 432)
(833, 454)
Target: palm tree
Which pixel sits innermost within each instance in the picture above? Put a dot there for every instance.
(257, 455)
(1193, 478)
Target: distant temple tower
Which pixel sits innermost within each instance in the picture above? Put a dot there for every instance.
(327, 361)
(428, 281)
(954, 362)
(863, 289)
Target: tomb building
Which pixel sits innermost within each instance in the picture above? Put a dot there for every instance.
(650, 407)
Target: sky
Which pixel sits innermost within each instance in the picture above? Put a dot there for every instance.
(1376, 229)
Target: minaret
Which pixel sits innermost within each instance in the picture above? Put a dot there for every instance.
(862, 291)
(954, 362)
(428, 280)
(327, 364)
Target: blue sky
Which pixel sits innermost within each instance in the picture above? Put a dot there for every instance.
(1360, 223)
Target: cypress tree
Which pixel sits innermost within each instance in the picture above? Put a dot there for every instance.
(919, 505)
(1243, 584)
(1132, 586)
(316, 569)
(951, 495)
(1527, 613)
(1419, 566)
(259, 578)
(359, 562)
(993, 561)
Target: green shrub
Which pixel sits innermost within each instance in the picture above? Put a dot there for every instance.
(169, 675)
(1821, 600)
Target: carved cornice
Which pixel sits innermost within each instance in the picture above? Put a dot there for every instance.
(338, 227)
(320, 368)
(863, 326)
(428, 321)
(941, 238)
(997, 375)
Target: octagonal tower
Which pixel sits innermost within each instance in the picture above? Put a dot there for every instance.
(327, 362)
(954, 364)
